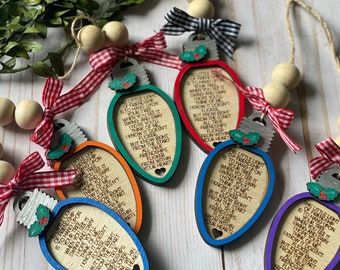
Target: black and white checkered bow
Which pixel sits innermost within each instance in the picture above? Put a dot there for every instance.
(221, 30)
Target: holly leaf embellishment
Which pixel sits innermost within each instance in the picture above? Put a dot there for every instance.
(43, 217)
(196, 55)
(61, 149)
(250, 138)
(322, 193)
(123, 83)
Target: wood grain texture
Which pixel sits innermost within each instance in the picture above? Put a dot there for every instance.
(169, 231)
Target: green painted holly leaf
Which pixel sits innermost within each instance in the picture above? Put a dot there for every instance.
(61, 149)
(201, 50)
(331, 194)
(314, 188)
(35, 229)
(194, 56)
(42, 211)
(251, 138)
(187, 56)
(237, 135)
(123, 83)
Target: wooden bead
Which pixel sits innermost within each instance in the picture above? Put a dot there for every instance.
(7, 172)
(7, 108)
(91, 38)
(28, 114)
(116, 34)
(201, 9)
(287, 74)
(337, 140)
(276, 94)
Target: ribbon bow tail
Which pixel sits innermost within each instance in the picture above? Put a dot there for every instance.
(43, 132)
(330, 155)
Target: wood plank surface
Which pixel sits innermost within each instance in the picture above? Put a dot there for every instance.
(169, 231)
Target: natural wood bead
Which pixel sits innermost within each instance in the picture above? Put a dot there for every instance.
(91, 38)
(276, 94)
(337, 140)
(7, 108)
(28, 114)
(287, 74)
(116, 34)
(201, 9)
(7, 172)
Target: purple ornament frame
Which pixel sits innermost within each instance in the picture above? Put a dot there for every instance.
(276, 223)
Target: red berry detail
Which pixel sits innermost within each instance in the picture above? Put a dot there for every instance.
(246, 141)
(126, 85)
(43, 221)
(196, 56)
(323, 196)
(65, 148)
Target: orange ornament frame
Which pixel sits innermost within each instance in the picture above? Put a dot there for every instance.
(123, 163)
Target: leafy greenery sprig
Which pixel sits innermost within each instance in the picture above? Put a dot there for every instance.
(24, 25)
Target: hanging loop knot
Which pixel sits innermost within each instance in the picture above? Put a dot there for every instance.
(27, 178)
(330, 155)
(49, 115)
(225, 32)
(149, 50)
(203, 25)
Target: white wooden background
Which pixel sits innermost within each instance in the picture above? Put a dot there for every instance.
(169, 231)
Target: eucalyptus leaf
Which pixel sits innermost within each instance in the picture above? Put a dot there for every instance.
(56, 61)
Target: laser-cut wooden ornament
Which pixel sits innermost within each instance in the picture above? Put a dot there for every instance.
(235, 183)
(144, 124)
(85, 234)
(209, 106)
(104, 176)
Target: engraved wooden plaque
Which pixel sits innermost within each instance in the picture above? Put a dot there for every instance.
(209, 104)
(234, 186)
(305, 234)
(86, 234)
(106, 177)
(145, 127)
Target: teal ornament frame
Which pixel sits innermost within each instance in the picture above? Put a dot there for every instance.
(120, 147)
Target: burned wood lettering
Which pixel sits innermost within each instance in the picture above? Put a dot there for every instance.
(85, 237)
(236, 185)
(309, 238)
(146, 127)
(211, 103)
(102, 178)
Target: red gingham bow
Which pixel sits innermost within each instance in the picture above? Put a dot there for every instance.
(281, 118)
(330, 155)
(56, 103)
(149, 50)
(27, 178)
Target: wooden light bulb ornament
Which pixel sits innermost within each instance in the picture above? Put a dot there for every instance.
(207, 120)
(142, 119)
(78, 221)
(237, 178)
(27, 114)
(308, 221)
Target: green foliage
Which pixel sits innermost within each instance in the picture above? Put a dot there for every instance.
(24, 25)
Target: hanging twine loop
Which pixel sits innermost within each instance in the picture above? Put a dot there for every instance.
(74, 31)
(310, 10)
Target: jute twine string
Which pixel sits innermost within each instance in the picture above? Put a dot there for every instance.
(316, 15)
(74, 31)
